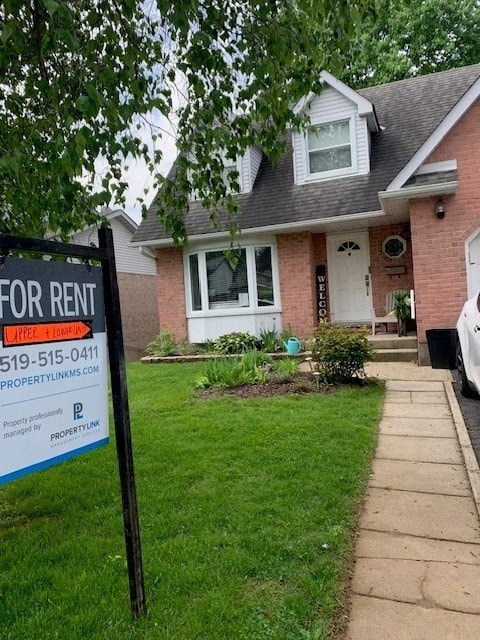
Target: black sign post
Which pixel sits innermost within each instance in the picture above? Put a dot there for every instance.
(121, 414)
(105, 254)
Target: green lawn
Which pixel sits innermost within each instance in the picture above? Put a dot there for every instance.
(246, 510)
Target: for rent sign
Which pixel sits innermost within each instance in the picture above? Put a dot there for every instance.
(53, 364)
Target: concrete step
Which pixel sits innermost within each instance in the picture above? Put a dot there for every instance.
(395, 355)
(393, 342)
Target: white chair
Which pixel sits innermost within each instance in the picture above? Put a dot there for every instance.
(385, 314)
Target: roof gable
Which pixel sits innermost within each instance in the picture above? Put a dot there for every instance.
(364, 107)
(437, 135)
(123, 217)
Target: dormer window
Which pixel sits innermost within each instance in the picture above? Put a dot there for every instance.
(337, 141)
(229, 167)
(329, 149)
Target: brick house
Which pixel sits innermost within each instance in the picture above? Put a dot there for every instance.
(136, 274)
(382, 194)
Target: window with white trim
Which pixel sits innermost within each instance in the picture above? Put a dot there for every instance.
(215, 283)
(229, 168)
(227, 285)
(329, 147)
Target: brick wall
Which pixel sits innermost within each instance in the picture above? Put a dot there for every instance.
(439, 245)
(382, 282)
(170, 292)
(138, 302)
(300, 253)
(296, 265)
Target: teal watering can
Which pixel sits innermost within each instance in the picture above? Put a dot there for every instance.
(292, 346)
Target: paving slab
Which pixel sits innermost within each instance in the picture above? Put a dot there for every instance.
(441, 450)
(412, 397)
(440, 428)
(405, 371)
(455, 587)
(376, 619)
(384, 544)
(401, 397)
(411, 385)
(426, 397)
(425, 477)
(393, 579)
(421, 514)
(394, 410)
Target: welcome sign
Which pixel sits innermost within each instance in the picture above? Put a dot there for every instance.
(53, 364)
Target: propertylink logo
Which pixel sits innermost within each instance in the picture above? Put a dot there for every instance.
(76, 431)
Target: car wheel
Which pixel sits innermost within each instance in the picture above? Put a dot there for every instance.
(465, 386)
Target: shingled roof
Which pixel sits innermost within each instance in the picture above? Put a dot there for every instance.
(408, 112)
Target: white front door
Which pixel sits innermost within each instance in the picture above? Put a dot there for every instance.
(473, 265)
(348, 275)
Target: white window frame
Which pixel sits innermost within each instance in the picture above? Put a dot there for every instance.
(253, 306)
(334, 173)
(238, 166)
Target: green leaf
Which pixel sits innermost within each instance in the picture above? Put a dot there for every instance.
(83, 104)
(51, 6)
(7, 31)
(93, 94)
(67, 38)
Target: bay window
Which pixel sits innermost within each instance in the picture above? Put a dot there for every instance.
(216, 284)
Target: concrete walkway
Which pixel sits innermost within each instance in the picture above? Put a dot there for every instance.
(417, 571)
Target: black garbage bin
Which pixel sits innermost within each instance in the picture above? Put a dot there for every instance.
(442, 345)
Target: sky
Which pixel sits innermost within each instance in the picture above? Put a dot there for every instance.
(137, 174)
(138, 178)
(165, 127)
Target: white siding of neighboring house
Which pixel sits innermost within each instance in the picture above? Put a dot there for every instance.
(128, 259)
(137, 285)
(331, 104)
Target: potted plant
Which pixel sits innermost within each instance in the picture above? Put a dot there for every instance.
(401, 310)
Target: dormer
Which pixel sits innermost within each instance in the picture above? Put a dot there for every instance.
(337, 142)
(249, 165)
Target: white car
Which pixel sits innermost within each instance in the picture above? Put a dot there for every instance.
(468, 347)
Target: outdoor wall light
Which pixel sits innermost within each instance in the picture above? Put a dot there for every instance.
(440, 210)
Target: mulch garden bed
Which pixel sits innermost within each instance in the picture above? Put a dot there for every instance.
(301, 384)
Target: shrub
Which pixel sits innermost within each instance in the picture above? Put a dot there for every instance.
(286, 368)
(255, 358)
(164, 344)
(219, 373)
(233, 372)
(341, 352)
(252, 367)
(269, 340)
(233, 343)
